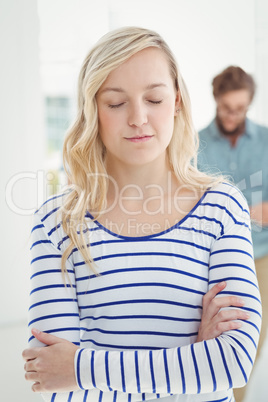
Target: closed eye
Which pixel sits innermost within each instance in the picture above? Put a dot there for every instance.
(156, 102)
(116, 106)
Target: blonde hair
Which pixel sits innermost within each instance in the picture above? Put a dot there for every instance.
(83, 151)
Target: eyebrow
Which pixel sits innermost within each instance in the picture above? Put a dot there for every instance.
(120, 90)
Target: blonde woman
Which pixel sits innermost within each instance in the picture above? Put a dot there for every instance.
(128, 263)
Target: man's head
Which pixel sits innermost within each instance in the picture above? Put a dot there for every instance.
(233, 90)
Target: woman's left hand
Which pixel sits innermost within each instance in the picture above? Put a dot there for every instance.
(51, 368)
(214, 320)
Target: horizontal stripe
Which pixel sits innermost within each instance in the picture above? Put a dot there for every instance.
(231, 250)
(40, 242)
(138, 285)
(52, 331)
(50, 213)
(192, 229)
(54, 229)
(234, 278)
(140, 317)
(232, 198)
(153, 301)
(51, 199)
(56, 286)
(50, 271)
(231, 265)
(154, 333)
(144, 269)
(240, 294)
(236, 237)
(121, 346)
(143, 254)
(202, 217)
(47, 256)
(37, 227)
(52, 301)
(52, 316)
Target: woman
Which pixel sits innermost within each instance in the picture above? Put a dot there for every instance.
(124, 260)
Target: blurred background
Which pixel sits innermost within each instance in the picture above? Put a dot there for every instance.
(43, 43)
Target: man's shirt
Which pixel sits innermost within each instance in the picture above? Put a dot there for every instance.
(245, 164)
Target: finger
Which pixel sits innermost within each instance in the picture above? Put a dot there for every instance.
(46, 338)
(31, 376)
(30, 365)
(30, 354)
(233, 314)
(227, 326)
(213, 292)
(228, 301)
(37, 387)
(222, 302)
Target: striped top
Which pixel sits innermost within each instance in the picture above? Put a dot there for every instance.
(137, 322)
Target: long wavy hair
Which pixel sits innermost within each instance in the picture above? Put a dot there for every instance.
(84, 152)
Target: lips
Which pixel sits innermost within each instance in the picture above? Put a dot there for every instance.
(141, 138)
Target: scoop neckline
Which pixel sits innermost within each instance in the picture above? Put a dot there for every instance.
(176, 225)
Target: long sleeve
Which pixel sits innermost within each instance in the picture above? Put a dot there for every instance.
(53, 304)
(214, 365)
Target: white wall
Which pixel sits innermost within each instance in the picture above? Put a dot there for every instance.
(22, 148)
(261, 56)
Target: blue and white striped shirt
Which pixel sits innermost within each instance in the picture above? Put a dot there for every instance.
(136, 323)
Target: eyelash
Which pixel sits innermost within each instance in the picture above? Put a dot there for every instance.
(120, 104)
(115, 106)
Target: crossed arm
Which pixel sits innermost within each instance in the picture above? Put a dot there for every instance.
(52, 368)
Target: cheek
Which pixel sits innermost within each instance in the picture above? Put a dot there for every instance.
(107, 124)
(164, 118)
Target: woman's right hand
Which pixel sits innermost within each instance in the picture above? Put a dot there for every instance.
(215, 321)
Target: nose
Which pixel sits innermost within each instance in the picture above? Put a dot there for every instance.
(137, 115)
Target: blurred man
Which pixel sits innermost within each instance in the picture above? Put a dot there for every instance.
(238, 147)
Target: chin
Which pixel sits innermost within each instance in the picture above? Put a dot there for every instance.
(230, 129)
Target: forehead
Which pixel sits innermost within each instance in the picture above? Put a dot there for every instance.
(142, 69)
(239, 97)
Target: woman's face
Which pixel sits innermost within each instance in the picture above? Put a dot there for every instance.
(136, 108)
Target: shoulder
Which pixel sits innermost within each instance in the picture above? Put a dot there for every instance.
(227, 205)
(51, 206)
(47, 218)
(229, 197)
(260, 130)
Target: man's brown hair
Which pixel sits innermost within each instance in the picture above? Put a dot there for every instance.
(231, 79)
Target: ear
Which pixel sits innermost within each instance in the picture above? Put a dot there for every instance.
(177, 104)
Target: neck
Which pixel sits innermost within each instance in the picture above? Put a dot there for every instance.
(136, 180)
